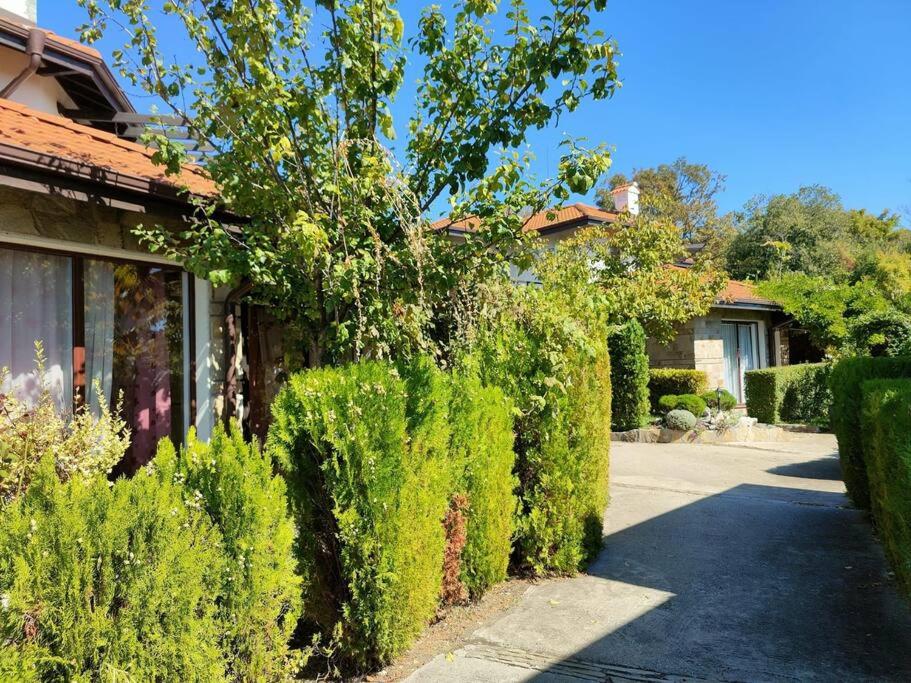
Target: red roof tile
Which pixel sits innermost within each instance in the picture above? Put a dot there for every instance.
(107, 158)
(543, 220)
(743, 292)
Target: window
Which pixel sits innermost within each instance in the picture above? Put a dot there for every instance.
(109, 328)
(741, 354)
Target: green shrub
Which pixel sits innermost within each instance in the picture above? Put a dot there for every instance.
(629, 376)
(719, 400)
(558, 376)
(681, 420)
(110, 582)
(234, 483)
(789, 393)
(845, 381)
(82, 446)
(880, 333)
(369, 486)
(886, 421)
(673, 381)
(690, 402)
(482, 448)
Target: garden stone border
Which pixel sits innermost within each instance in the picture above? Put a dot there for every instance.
(756, 432)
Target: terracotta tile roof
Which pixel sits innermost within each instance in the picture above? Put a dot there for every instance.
(735, 291)
(743, 292)
(54, 38)
(543, 220)
(54, 141)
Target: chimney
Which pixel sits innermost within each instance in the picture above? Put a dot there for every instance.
(26, 10)
(626, 198)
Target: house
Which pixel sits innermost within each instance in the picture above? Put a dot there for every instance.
(74, 183)
(742, 331)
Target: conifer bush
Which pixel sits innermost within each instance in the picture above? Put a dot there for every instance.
(108, 581)
(629, 376)
(368, 486)
(232, 480)
(84, 445)
(482, 450)
(558, 375)
(845, 382)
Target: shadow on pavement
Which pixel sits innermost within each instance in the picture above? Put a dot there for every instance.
(827, 468)
(764, 586)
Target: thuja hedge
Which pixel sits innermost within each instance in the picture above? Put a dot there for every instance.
(886, 421)
(373, 455)
(845, 415)
(481, 420)
(629, 376)
(789, 393)
(674, 382)
(558, 376)
(183, 572)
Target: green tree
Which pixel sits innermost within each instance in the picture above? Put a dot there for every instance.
(625, 272)
(296, 98)
(682, 193)
(807, 232)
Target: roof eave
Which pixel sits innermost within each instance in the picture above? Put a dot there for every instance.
(113, 181)
(747, 305)
(15, 36)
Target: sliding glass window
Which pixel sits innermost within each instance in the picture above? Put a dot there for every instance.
(110, 328)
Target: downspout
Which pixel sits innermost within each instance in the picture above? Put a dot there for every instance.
(232, 348)
(35, 51)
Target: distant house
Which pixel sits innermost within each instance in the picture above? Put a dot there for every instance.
(74, 183)
(742, 331)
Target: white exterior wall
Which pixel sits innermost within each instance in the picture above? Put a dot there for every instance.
(38, 92)
(26, 9)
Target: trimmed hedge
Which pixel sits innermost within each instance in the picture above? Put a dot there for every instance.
(559, 379)
(886, 421)
(629, 376)
(382, 463)
(789, 393)
(233, 481)
(845, 381)
(368, 485)
(674, 381)
(482, 448)
(689, 402)
(106, 581)
(727, 400)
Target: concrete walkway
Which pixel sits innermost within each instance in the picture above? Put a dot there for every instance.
(722, 563)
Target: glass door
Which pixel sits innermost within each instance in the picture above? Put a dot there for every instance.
(741, 354)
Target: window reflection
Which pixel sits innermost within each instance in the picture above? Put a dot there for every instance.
(146, 355)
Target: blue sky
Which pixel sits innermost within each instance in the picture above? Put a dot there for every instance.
(775, 94)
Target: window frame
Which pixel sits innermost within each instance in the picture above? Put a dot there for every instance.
(77, 266)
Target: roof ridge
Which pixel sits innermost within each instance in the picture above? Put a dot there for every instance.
(100, 135)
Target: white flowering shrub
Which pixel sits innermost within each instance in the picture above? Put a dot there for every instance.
(233, 482)
(83, 445)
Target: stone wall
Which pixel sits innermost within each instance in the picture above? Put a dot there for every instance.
(699, 344)
(680, 353)
(79, 226)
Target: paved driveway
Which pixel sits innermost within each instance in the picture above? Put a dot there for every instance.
(723, 563)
